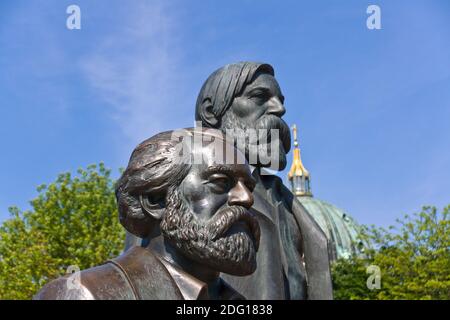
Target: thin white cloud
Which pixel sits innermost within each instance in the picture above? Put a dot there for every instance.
(133, 70)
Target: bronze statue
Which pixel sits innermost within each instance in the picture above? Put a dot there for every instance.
(293, 261)
(196, 215)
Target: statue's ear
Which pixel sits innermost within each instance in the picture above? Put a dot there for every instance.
(207, 115)
(152, 206)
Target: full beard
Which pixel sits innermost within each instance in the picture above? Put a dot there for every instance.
(213, 243)
(259, 148)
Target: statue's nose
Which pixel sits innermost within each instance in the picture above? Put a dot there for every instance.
(240, 195)
(276, 107)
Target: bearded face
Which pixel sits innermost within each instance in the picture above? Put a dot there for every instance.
(267, 140)
(227, 242)
(255, 115)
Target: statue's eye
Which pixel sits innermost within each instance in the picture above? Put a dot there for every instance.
(219, 183)
(251, 186)
(259, 95)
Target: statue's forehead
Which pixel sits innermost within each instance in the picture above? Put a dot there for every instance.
(263, 80)
(221, 151)
(237, 171)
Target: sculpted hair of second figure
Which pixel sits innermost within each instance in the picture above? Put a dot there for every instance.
(244, 100)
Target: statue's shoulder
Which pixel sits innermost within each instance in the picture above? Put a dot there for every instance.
(97, 283)
(136, 274)
(147, 275)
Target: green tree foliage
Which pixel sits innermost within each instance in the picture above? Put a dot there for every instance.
(73, 221)
(414, 260)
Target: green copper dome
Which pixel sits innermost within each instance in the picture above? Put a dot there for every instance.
(341, 230)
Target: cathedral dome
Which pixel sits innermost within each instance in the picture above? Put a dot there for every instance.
(340, 228)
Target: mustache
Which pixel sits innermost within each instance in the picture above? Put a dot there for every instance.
(225, 218)
(230, 252)
(270, 122)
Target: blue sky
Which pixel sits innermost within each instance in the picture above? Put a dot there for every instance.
(372, 106)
